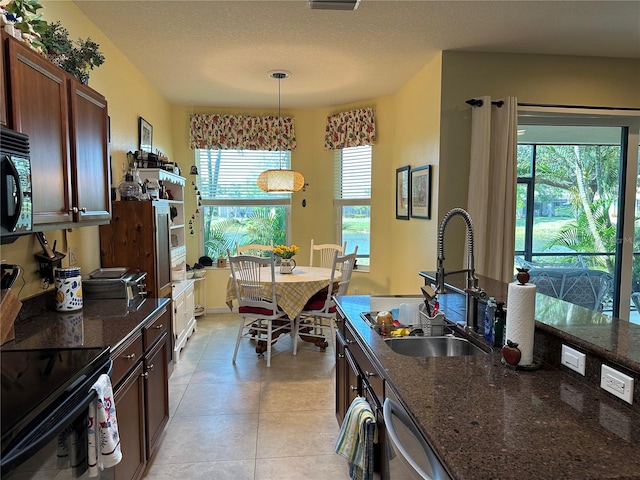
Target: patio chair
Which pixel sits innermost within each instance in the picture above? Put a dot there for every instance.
(580, 286)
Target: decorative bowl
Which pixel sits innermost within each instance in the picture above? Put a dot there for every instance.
(190, 274)
(198, 273)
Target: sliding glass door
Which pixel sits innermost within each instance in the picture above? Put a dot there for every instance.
(576, 204)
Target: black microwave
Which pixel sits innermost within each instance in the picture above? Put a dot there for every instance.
(15, 186)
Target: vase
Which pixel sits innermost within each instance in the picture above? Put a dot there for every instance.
(287, 265)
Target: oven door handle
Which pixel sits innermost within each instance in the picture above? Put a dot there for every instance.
(39, 437)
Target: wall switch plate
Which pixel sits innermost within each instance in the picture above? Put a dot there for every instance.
(573, 359)
(617, 383)
(73, 256)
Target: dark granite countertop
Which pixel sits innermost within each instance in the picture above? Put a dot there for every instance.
(100, 323)
(611, 338)
(487, 421)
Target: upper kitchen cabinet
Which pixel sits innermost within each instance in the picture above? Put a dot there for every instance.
(3, 90)
(67, 126)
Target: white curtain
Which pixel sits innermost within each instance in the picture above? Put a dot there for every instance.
(491, 201)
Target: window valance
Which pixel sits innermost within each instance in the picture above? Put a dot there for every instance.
(354, 128)
(241, 132)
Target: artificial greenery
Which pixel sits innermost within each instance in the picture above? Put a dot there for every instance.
(55, 39)
(77, 58)
(52, 40)
(27, 19)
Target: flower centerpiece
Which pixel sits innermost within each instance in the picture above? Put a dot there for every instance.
(286, 252)
(287, 263)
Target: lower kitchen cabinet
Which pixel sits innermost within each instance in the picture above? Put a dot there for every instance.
(129, 398)
(156, 395)
(356, 375)
(141, 394)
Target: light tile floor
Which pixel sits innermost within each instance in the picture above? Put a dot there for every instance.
(247, 421)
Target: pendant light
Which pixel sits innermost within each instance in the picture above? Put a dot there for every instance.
(280, 180)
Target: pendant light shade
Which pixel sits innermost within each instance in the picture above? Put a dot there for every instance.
(280, 180)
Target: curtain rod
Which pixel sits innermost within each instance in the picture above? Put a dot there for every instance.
(586, 107)
(478, 103)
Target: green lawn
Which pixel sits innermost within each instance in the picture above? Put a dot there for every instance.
(545, 228)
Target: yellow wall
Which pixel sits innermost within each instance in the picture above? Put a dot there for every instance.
(538, 79)
(425, 122)
(129, 95)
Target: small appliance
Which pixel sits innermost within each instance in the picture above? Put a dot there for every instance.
(16, 216)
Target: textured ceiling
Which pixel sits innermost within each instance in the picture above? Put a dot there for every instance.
(218, 53)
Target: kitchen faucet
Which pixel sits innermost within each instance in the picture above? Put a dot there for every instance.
(472, 291)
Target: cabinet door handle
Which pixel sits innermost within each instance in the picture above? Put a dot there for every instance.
(145, 375)
(150, 367)
(353, 389)
(131, 356)
(159, 327)
(369, 374)
(76, 210)
(341, 355)
(349, 342)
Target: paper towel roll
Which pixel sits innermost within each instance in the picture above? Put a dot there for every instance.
(521, 308)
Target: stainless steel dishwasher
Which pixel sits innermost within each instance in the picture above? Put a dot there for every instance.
(409, 455)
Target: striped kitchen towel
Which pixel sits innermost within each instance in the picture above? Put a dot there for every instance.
(104, 440)
(356, 438)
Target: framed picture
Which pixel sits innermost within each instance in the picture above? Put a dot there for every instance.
(146, 135)
(402, 193)
(420, 203)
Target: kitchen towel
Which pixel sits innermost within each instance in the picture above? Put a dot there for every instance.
(521, 309)
(104, 440)
(356, 438)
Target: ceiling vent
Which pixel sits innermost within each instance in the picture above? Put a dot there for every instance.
(334, 4)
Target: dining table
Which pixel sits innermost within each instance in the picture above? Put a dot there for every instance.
(293, 290)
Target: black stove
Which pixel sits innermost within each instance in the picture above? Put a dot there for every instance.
(41, 389)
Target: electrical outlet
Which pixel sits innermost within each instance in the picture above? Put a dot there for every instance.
(73, 256)
(617, 383)
(573, 359)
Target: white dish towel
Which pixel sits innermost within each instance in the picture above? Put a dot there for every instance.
(102, 429)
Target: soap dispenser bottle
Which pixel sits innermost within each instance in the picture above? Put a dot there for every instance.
(489, 315)
(498, 325)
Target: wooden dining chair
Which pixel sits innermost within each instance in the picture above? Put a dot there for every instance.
(254, 249)
(257, 304)
(316, 320)
(325, 252)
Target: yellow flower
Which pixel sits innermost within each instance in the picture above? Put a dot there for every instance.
(283, 251)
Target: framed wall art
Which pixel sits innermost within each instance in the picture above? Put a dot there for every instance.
(420, 181)
(145, 130)
(402, 193)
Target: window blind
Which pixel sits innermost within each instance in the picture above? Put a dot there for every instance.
(232, 174)
(352, 172)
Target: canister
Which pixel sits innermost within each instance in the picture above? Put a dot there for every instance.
(68, 283)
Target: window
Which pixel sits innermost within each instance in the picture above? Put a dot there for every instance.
(353, 199)
(233, 208)
(571, 214)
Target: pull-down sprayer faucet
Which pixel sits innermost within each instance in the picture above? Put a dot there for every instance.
(472, 291)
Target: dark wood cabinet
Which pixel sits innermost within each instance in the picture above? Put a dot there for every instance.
(129, 398)
(156, 395)
(138, 237)
(3, 87)
(67, 127)
(357, 375)
(141, 380)
(91, 173)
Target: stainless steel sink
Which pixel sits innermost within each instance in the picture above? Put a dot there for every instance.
(447, 346)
